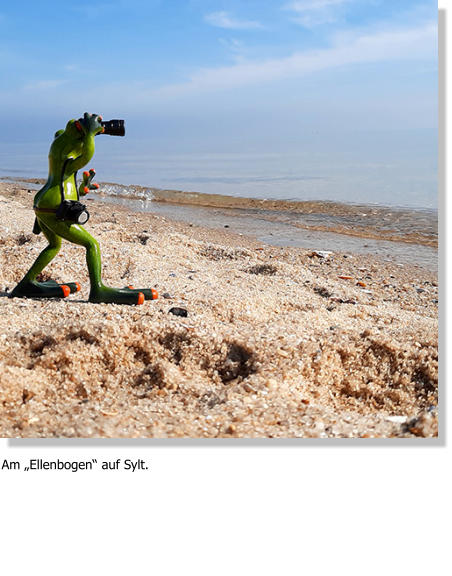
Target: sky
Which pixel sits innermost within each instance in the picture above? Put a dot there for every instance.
(179, 64)
(220, 76)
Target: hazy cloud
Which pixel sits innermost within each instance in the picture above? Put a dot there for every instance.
(311, 13)
(224, 20)
(44, 84)
(383, 45)
(235, 47)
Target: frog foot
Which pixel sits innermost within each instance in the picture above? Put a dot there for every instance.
(73, 286)
(50, 289)
(149, 293)
(116, 296)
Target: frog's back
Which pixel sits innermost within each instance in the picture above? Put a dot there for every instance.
(48, 197)
(58, 185)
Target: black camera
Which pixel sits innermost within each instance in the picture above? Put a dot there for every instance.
(72, 211)
(113, 127)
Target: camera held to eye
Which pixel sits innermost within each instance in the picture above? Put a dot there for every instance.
(113, 127)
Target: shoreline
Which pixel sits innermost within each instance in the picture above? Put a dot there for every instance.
(278, 342)
(283, 234)
(392, 234)
(371, 221)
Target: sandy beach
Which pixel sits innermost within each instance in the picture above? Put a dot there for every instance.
(277, 342)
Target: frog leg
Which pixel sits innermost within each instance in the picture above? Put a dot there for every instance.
(28, 287)
(99, 292)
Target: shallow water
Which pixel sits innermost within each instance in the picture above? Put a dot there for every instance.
(394, 234)
(379, 222)
(282, 231)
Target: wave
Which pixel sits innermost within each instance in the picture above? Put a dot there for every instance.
(415, 226)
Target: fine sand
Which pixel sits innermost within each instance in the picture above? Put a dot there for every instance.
(275, 344)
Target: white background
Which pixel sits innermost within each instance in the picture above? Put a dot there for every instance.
(295, 508)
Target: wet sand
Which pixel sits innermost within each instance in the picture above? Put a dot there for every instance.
(278, 342)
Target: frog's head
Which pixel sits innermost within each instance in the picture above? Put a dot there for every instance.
(89, 124)
(77, 129)
(70, 142)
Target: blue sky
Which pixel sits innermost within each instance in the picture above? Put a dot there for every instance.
(219, 74)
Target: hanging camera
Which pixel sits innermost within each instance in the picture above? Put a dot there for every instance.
(72, 211)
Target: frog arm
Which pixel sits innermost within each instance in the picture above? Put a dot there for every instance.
(73, 165)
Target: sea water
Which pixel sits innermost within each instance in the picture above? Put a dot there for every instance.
(373, 200)
(378, 169)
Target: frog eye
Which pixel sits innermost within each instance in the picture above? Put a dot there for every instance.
(78, 126)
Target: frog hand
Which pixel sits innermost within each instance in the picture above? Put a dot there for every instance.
(87, 183)
(91, 124)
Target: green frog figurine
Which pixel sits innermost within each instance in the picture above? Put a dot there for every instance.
(60, 215)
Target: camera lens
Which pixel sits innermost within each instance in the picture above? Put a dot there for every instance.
(114, 127)
(83, 217)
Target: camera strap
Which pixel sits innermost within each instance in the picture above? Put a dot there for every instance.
(46, 210)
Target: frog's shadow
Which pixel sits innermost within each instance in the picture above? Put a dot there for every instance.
(8, 295)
